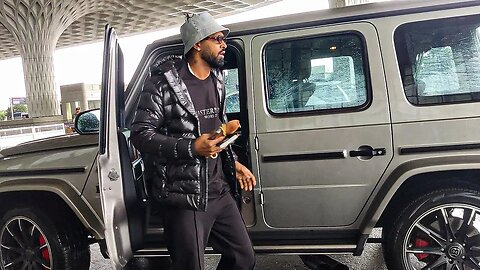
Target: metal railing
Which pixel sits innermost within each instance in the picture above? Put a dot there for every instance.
(13, 136)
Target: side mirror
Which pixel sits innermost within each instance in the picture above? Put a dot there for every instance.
(88, 122)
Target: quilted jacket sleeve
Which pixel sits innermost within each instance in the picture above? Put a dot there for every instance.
(149, 121)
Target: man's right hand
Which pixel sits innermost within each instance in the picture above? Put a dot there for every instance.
(207, 147)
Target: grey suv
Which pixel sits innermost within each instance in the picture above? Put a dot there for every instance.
(352, 119)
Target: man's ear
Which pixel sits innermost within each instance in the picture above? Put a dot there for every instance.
(197, 46)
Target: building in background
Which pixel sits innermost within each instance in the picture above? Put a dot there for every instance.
(79, 95)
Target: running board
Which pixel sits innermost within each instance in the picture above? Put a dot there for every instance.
(305, 249)
(280, 249)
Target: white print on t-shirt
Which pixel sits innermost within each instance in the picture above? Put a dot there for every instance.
(209, 113)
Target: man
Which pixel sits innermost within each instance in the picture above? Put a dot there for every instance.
(183, 101)
(77, 111)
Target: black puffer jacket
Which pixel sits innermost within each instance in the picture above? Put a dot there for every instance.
(164, 131)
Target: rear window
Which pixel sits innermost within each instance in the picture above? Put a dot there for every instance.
(439, 60)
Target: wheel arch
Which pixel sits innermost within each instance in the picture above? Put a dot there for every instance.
(411, 179)
(423, 183)
(51, 192)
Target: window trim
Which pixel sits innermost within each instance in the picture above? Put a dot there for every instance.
(366, 69)
(237, 47)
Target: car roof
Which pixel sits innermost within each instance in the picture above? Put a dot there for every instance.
(330, 16)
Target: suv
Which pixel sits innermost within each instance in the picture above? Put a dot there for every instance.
(352, 119)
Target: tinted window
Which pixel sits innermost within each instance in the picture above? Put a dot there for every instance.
(439, 60)
(232, 87)
(315, 74)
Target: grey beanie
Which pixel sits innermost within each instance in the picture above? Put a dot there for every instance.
(197, 27)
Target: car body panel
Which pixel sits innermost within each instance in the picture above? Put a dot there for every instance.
(50, 144)
(71, 164)
(59, 165)
(310, 186)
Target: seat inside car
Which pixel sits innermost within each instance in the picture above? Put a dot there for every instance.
(301, 71)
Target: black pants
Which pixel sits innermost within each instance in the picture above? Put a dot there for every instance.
(187, 233)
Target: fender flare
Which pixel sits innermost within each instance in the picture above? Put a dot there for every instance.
(66, 192)
(403, 173)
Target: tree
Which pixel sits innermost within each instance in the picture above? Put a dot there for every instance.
(16, 108)
(19, 108)
(3, 115)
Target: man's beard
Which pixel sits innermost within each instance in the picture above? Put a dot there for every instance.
(213, 62)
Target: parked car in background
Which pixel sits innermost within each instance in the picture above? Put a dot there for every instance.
(352, 119)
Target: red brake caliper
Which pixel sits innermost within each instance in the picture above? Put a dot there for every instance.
(421, 243)
(45, 254)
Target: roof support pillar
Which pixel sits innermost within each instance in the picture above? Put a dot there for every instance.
(38, 69)
(36, 26)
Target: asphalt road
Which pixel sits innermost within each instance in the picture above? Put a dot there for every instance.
(371, 259)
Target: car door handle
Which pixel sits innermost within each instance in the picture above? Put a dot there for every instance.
(367, 151)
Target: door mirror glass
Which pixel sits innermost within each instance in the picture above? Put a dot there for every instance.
(88, 122)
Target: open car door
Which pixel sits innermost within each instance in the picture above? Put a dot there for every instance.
(120, 168)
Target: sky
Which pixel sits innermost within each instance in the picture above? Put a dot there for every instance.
(83, 64)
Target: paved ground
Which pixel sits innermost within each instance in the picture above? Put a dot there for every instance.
(372, 259)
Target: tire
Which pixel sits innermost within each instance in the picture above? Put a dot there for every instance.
(438, 231)
(31, 239)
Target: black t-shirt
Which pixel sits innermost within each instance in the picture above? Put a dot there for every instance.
(206, 103)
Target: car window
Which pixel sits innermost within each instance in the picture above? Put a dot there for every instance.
(440, 60)
(232, 87)
(315, 74)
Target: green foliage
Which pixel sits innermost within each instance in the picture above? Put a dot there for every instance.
(3, 115)
(19, 108)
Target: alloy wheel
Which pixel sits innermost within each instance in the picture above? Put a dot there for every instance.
(23, 245)
(446, 237)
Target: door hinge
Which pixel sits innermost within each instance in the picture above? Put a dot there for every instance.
(113, 175)
(262, 198)
(257, 143)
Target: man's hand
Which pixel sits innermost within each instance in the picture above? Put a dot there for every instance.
(205, 147)
(244, 177)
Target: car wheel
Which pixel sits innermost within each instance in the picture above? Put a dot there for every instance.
(31, 239)
(438, 231)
